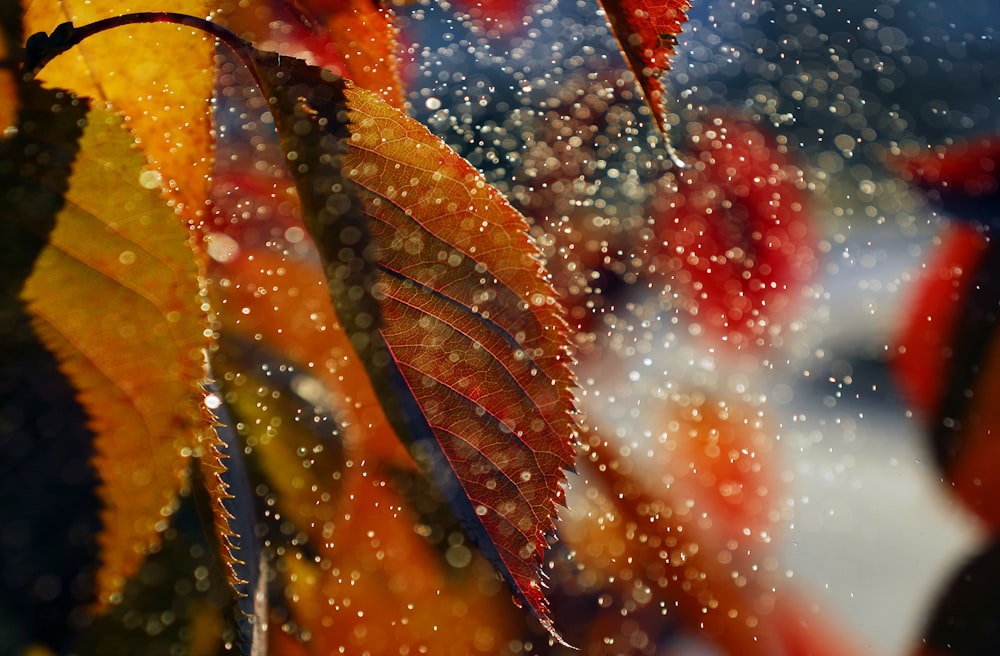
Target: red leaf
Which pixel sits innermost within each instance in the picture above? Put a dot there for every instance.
(736, 238)
(923, 347)
(948, 360)
(972, 168)
(973, 450)
(647, 33)
(497, 17)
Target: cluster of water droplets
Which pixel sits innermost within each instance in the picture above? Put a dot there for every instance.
(553, 118)
(695, 434)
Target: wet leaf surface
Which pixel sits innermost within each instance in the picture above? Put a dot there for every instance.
(459, 332)
(647, 33)
(165, 99)
(947, 355)
(413, 315)
(138, 366)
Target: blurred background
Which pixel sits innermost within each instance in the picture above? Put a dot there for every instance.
(851, 91)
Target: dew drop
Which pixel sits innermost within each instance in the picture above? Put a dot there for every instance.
(150, 179)
(221, 247)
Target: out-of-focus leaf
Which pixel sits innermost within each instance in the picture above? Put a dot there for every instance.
(361, 569)
(948, 354)
(115, 295)
(964, 177)
(686, 524)
(356, 39)
(964, 425)
(678, 534)
(435, 282)
(178, 601)
(496, 18)
(282, 303)
(924, 345)
(365, 34)
(164, 97)
(736, 239)
(647, 33)
(9, 22)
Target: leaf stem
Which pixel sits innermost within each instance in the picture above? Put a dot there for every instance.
(41, 48)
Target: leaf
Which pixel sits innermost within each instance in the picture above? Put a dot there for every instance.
(964, 176)
(366, 35)
(36, 162)
(495, 18)
(642, 541)
(47, 489)
(115, 296)
(358, 563)
(441, 293)
(647, 34)
(282, 303)
(924, 353)
(688, 518)
(356, 39)
(948, 355)
(9, 21)
(165, 98)
(736, 240)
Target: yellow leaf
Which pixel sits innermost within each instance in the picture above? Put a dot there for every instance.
(115, 295)
(160, 77)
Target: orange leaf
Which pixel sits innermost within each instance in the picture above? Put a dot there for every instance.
(688, 518)
(116, 297)
(283, 303)
(647, 33)
(366, 36)
(165, 99)
(373, 562)
(433, 277)
(8, 84)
